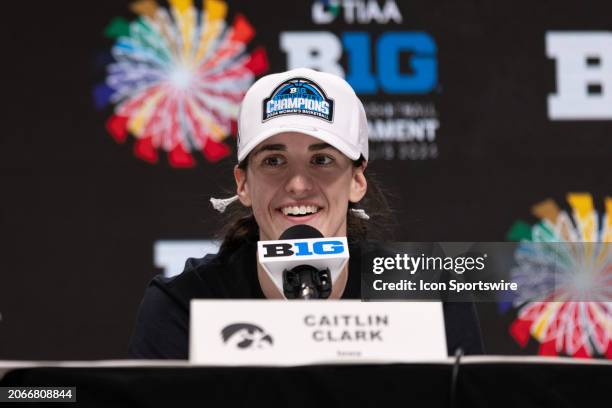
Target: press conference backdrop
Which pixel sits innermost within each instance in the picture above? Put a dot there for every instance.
(489, 121)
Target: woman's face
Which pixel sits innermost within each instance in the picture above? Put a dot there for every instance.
(292, 178)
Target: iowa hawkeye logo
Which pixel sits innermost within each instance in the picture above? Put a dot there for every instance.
(299, 96)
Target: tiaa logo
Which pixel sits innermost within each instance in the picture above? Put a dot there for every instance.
(356, 11)
(298, 96)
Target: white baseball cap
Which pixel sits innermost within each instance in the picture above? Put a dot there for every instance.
(302, 100)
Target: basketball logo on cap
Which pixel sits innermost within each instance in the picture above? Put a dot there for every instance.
(298, 96)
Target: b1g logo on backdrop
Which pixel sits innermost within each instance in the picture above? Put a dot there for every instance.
(376, 67)
(176, 78)
(170, 255)
(583, 75)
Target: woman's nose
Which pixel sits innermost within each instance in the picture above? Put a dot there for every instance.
(298, 183)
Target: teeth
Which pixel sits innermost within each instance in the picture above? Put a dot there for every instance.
(300, 210)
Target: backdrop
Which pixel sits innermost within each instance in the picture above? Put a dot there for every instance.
(489, 121)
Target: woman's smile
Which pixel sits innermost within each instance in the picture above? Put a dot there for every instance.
(300, 213)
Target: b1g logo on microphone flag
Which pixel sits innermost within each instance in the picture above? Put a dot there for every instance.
(303, 248)
(275, 257)
(299, 96)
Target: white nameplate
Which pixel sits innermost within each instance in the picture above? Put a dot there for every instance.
(284, 333)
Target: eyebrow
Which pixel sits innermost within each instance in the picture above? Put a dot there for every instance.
(273, 147)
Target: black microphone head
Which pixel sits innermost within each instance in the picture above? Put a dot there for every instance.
(301, 231)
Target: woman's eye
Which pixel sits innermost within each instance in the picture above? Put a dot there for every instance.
(273, 161)
(322, 160)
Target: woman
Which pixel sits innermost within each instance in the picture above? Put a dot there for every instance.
(302, 155)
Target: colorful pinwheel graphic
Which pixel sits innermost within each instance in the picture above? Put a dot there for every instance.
(177, 77)
(575, 248)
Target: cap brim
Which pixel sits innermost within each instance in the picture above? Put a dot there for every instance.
(325, 136)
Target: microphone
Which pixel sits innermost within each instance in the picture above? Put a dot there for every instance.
(305, 281)
(302, 263)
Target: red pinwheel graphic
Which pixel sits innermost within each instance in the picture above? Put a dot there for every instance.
(176, 79)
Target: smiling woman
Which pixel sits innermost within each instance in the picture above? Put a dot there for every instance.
(302, 159)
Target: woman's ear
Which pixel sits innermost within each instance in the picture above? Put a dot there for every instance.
(359, 184)
(242, 188)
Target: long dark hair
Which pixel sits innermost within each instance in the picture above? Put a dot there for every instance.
(241, 227)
